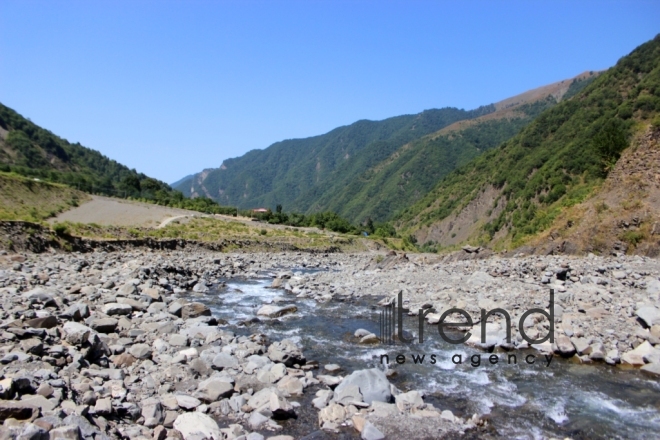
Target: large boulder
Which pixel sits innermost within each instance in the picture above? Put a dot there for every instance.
(196, 425)
(286, 352)
(372, 383)
(194, 309)
(649, 315)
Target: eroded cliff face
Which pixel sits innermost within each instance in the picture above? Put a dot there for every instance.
(623, 215)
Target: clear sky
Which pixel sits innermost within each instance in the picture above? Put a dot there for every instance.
(173, 87)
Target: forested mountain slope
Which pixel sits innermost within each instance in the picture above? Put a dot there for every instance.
(521, 188)
(371, 169)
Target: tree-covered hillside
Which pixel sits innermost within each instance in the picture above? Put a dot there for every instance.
(297, 173)
(397, 182)
(29, 150)
(554, 162)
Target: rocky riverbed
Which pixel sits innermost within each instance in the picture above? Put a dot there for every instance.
(125, 344)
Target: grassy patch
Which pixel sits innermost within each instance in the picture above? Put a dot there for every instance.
(24, 198)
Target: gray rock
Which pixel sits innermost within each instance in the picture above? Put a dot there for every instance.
(75, 333)
(225, 360)
(104, 325)
(286, 352)
(649, 315)
(127, 289)
(197, 426)
(187, 402)
(408, 401)
(372, 383)
(152, 411)
(370, 432)
(271, 311)
(564, 346)
(256, 420)
(68, 432)
(140, 351)
(348, 395)
(651, 369)
(193, 310)
(111, 309)
(212, 389)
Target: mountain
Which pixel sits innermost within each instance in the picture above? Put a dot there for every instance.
(27, 149)
(182, 182)
(372, 169)
(559, 162)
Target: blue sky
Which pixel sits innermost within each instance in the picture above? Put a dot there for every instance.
(172, 87)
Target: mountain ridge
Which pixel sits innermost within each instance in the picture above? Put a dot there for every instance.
(511, 194)
(362, 183)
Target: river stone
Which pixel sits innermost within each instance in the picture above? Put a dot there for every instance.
(359, 333)
(271, 311)
(193, 310)
(410, 400)
(127, 289)
(291, 385)
(370, 339)
(197, 426)
(187, 402)
(652, 286)
(201, 288)
(372, 383)
(225, 360)
(597, 352)
(581, 345)
(649, 315)
(651, 369)
(212, 389)
(152, 411)
(370, 432)
(333, 413)
(348, 394)
(104, 325)
(45, 322)
(140, 351)
(175, 308)
(179, 340)
(111, 309)
(135, 305)
(256, 420)
(564, 346)
(68, 432)
(33, 432)
(635, 357)
(323, 397)
(286, 352)
(75, 333)
(151, 293)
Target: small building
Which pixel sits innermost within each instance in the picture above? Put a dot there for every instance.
(260, 210)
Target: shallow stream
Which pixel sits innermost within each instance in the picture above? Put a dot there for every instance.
(526, 401)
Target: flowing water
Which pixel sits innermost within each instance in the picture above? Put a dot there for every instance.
(526, 401)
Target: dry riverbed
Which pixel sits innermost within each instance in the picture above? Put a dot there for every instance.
(121, 345)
